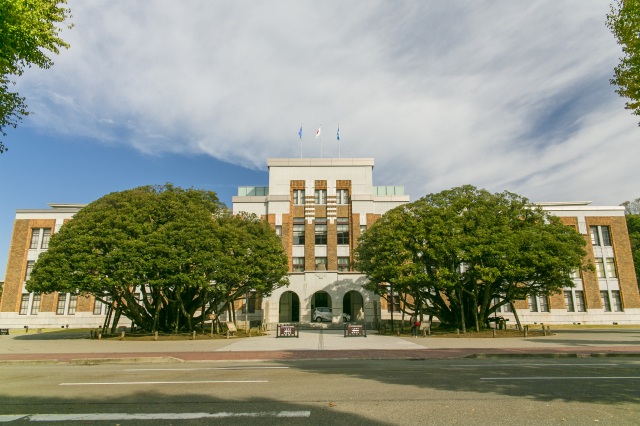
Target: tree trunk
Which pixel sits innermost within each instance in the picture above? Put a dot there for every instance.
(462, 321)
(515, 314)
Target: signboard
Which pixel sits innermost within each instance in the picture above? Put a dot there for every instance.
(287, 330)
(355, 330)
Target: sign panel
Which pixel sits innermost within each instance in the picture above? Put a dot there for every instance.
(355, 330)
(287, 330)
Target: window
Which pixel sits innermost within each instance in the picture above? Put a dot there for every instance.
(321, 263)
(24, 304)
(73, 303)
(611, 268)
(46, 236)
(600, 267)
(580, 305)
(40, 238)
(504, 308)
(575, 274)
(568, 301)
(35, 305)
(27, 273)
(62, 300)
(606, 303)
(616, 302)
(343, 264)
(321, 196)
(298, 197)
(342, 196)
(321, 231)
(606, 235)
(539, 303)
(97, 307)
(393, 302)
(298, 264)
(595, 236)
(343, 230)
(250, 300)
(543, 303)
(600, 235)
(362, 229)
(298, 231)
(279, 231)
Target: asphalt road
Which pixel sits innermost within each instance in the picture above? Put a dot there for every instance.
(522, 391)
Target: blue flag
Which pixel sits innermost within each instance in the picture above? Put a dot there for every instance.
(300, 132)
(338, 133)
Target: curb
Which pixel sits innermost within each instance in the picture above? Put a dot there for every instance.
(132, 360)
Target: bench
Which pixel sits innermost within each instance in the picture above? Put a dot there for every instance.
(4, 331)
(231, 328)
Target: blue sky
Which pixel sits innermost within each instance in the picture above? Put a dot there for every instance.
(500, 94)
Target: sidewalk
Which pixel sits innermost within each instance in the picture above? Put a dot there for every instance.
(314, 344)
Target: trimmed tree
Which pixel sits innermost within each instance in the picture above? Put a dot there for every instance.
(165, 257)
(461, 254)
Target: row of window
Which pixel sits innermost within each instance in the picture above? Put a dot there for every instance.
(342, 196)
(66, 302)
(320, 231)
(574, 301)
(320, 264)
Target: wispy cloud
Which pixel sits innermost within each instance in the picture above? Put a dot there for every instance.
(500, 94)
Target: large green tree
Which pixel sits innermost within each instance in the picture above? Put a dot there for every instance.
(28, 30)
(632, 210)
(165, 257)
(624, 22)
(456, 252)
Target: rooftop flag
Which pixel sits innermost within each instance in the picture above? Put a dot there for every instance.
(338, 133)
(319, 131)
(300, 132)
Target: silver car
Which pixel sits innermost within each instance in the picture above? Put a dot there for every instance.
(324, 314)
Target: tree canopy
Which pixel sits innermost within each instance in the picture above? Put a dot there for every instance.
(165, 257)
(624, 23)
(28, 29)
(460, 254)
(632, 210)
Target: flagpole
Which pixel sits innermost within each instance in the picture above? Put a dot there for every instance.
(300, 134)
(339, 142)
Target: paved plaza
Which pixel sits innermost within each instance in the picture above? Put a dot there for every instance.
(315, 344)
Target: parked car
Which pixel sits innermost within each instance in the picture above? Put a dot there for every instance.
(325, 314)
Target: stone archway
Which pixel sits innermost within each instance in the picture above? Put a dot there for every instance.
(353, 304)
(289, 307)
(320, 299)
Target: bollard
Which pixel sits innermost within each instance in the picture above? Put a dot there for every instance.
(544, 330)
(457, 331)
(227, 334)
(193, 335)
(122, 335)
(526, 329)
(549, 330)
(493, 332)
(155, 335)
(99, 336)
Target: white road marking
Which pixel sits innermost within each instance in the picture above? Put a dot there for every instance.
(530, 364)
(561, 378)
(89, 417)
(163, 383)
(204, 368)
(5, 418)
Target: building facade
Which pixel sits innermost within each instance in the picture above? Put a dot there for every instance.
(319, 207)
(32, 230)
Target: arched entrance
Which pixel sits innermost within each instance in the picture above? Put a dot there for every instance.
(289, 307)
(353, 305)
(321, 299)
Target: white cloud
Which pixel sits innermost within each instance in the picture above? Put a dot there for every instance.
(500, 94)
